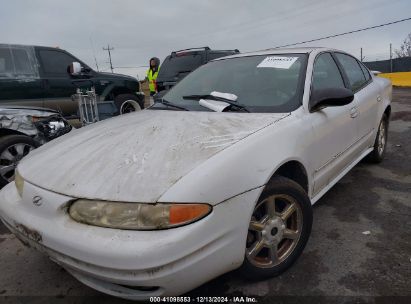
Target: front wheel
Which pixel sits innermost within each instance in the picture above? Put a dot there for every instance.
(12, 149)
(278, 231)
(127, 103)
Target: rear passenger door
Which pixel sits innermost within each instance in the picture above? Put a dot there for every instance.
(366, 98)
(20, 82)
(334, 128)
(57, 81)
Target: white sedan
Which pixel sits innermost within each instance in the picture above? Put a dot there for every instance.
(220, 173)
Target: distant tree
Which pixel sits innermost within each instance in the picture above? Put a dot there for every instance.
(405, 48)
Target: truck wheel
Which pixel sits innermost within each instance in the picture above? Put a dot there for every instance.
(12, 149)
(127, 103)
(278, 231)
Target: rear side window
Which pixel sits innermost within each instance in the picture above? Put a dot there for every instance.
(6, 62)
(353, 70)
(179, 64)
(326, 74)
(22, 62)
(55, 62)
(18, 62)
(366, 72)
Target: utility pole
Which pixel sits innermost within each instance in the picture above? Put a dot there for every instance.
(109, 55)
(362, 58)
(391, 57)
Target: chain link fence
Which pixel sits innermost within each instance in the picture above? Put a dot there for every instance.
(390, 66)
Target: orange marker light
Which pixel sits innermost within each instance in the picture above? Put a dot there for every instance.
(186, 213)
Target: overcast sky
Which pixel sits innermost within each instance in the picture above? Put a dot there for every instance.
(139, 30)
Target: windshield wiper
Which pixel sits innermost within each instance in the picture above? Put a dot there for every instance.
(212, 97)
(170, 104)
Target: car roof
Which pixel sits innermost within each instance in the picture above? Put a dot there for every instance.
(29, 45)
(273, 51)
(201, 50)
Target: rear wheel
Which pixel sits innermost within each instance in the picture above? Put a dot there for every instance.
(12, 149)
(278, 231)
(380, 144)
(127, 103)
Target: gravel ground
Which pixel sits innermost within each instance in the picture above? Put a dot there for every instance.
(359, 250)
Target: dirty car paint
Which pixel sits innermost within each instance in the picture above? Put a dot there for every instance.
(137, 156)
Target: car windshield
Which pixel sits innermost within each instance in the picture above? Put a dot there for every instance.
(269, 83)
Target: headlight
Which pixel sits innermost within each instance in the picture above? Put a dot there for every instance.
(51, 126)
(136, 216)
(19, 182)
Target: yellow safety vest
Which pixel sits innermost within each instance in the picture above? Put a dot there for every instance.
(152, 79)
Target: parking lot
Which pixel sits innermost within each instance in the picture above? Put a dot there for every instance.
(360, 247)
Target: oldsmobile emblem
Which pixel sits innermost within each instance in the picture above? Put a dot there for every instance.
(37, 200)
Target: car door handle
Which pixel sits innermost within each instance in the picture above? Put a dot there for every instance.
(379, 98)
(353, 112)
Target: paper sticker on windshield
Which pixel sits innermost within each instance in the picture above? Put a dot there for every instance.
(279, 62)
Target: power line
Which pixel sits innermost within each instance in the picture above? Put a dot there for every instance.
(94, 53)
(346, 33)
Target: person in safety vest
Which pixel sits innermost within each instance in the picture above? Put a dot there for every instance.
(152, 74)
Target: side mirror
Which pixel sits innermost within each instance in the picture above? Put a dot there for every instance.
(333, 97)
(75, 69)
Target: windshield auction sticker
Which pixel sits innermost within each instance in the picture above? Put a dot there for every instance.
(279, 62)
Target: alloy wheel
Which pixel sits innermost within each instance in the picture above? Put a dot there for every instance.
(10, 158)
(381, 137)
(274, 231)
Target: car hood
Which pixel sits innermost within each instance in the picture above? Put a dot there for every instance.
(116, 75)
(138, 156)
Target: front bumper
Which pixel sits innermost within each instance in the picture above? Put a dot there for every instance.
(126, 263)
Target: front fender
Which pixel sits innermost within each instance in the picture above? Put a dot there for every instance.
(246, 165)
(107, 90)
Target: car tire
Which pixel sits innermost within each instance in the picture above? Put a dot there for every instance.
(12, 149)
(127, 103)
(278, 231)
(380, 143)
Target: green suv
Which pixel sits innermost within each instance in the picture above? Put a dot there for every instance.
(40, 76)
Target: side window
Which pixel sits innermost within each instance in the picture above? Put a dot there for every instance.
(366, 72)
(22, 63)
(17, 62)
(6, 62)
(353, 70)
(326, 74)
(180, 64)
(55, 62)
